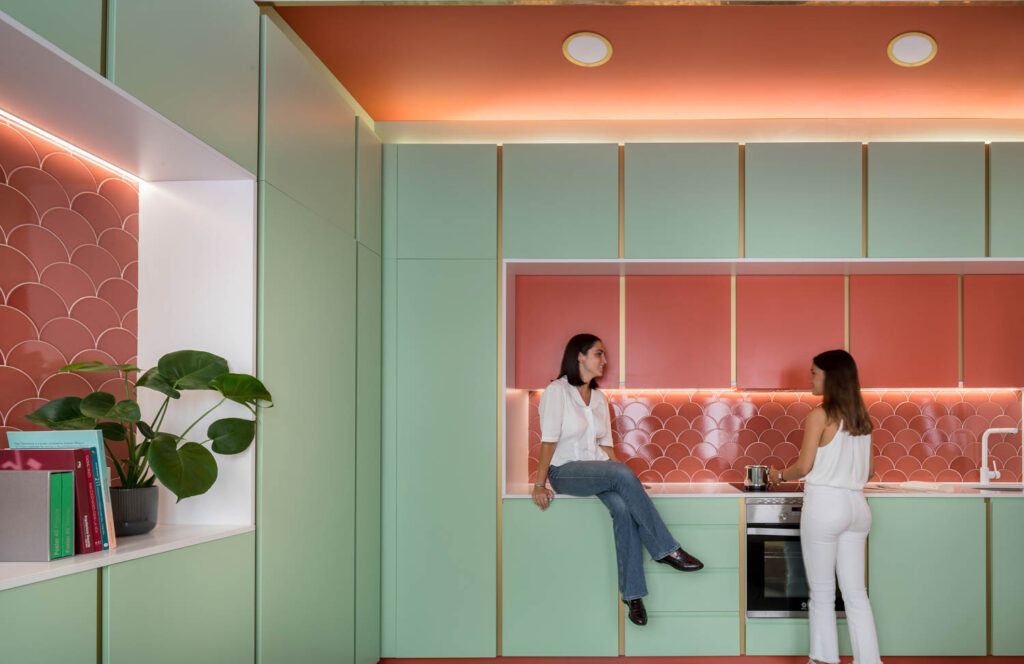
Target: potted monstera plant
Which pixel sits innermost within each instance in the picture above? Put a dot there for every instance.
(182, 465)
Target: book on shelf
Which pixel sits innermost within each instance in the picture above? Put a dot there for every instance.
(79, 461)
(91, 439)
(34, 505)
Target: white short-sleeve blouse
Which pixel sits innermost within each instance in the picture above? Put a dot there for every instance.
(578, 429)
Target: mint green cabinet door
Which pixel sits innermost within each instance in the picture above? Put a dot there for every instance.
(560, 201)
(305, 464)
(50, 621)
(368, 182)
(681, 200)
(788, 636)
(445, 458)
(1007, 576)
(926, 200)
(926, 567)
(1006, 199)
(445, 200)
(803, 200)
(74, 26)
(559, 583)
(195, 604)
(197, 63)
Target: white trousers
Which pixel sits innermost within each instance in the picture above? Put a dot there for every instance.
(834, 528)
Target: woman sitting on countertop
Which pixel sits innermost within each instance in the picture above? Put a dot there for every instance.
(578, 458)
(836, 460)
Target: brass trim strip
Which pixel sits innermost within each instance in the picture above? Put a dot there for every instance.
(500, 396)
(622, 278)
(988, 576)
(743, 200)
(622, 330)
(960, 329)
(743, 576)
(732, 330)
(864, 200)
(988, 202)
(99, 614)
(846, 313)
(622, 626)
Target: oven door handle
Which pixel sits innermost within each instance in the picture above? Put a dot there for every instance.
(785, 532)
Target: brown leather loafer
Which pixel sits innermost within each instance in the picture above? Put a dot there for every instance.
(682, 561)
(637, 612)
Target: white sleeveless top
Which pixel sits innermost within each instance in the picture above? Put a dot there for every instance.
(843, 463)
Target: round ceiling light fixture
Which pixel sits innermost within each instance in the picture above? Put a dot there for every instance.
(587, 49)
(912, 49)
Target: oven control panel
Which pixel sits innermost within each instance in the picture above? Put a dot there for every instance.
(774, 511)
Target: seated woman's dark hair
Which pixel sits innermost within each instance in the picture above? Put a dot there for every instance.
(842, 399)
(581, 343)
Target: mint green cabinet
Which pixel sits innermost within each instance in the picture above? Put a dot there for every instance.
(446, 200)
(926, 200)
(926, 575)
(560, 201)
(803, 200)
(1006, 199)
(197, 63)
(788, 636)
(444, 459)
(368, 187)
(1007, 543)
(50, 621)
(681, 200)
(693, 613)
(559, 582)
(74, 26)
(195, 604)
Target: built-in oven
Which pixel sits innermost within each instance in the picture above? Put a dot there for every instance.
(776, 582)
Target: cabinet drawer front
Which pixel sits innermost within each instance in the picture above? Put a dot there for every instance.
(707, 590)
(715, 546)
(787, 636)
(685, 511)
(682, 634)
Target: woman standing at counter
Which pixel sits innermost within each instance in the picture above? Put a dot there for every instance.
(836, 460)
(578, 458)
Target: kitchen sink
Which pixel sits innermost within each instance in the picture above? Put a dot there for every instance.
(996, 487)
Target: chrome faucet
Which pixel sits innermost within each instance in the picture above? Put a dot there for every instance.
(993, 474)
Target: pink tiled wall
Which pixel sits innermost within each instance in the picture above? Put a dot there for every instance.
(69, 247)
(688, 436)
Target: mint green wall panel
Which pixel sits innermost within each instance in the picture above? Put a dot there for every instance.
(74, 26)
(447, 198)
(926, 566)
(682, 200)
(1007, 576)
(685, 634)
(803, 200)
(309, 131)
(194, 604)
(367, 494)
(306, 448)
(559, 581)
(50, 621)
(368, 187)
(926, 200)
(197, 63)
(1006, 199)
(446, 394)
(560, 201)
(787, 636)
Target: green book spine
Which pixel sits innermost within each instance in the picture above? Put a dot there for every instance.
(68, 514)
(56, 527)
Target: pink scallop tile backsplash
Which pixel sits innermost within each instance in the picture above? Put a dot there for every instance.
(69, 252)
(709, 436)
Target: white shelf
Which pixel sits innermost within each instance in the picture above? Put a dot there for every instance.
(160, 540)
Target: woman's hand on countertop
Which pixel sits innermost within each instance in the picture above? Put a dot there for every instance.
(542, 496)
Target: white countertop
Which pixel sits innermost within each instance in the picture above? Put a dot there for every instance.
(872, 490)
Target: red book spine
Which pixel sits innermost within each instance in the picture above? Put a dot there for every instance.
(90, 512)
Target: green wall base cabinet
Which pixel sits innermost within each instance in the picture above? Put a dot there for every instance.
(50, 621)
(1007, 576)
(195, 604)
(559, 584)
(926, 575)
(787, 636)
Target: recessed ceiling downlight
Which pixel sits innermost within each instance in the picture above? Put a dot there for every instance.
(587, 49)
(912, 49)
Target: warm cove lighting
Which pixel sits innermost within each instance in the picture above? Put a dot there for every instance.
(587, 49)
(78, 152)
(912, 49)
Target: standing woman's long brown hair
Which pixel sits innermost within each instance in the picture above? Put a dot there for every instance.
(842, 399)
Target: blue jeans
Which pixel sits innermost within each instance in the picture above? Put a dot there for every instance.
(635, 520)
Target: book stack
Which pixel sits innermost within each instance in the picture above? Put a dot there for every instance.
(36, 515)
(77, 455)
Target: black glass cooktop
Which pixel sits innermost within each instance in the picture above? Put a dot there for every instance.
(784, 487)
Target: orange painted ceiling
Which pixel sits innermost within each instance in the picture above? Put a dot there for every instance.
(445, 62)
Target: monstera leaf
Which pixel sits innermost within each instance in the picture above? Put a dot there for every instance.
(186, 471)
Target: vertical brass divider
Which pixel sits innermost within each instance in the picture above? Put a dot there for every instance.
(864, 200)
(99, 614)
(960, 329)
(988, 190)
(622, 626)
(622, 201)
(732, 330)
(500, 405)
(846, 313)
(622, 277)
(743, 576)
(622, 330)
(742, 250)
(988, 576)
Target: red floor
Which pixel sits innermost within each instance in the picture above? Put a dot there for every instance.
(693, 660)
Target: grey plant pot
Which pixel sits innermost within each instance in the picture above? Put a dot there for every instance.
(135, 510)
